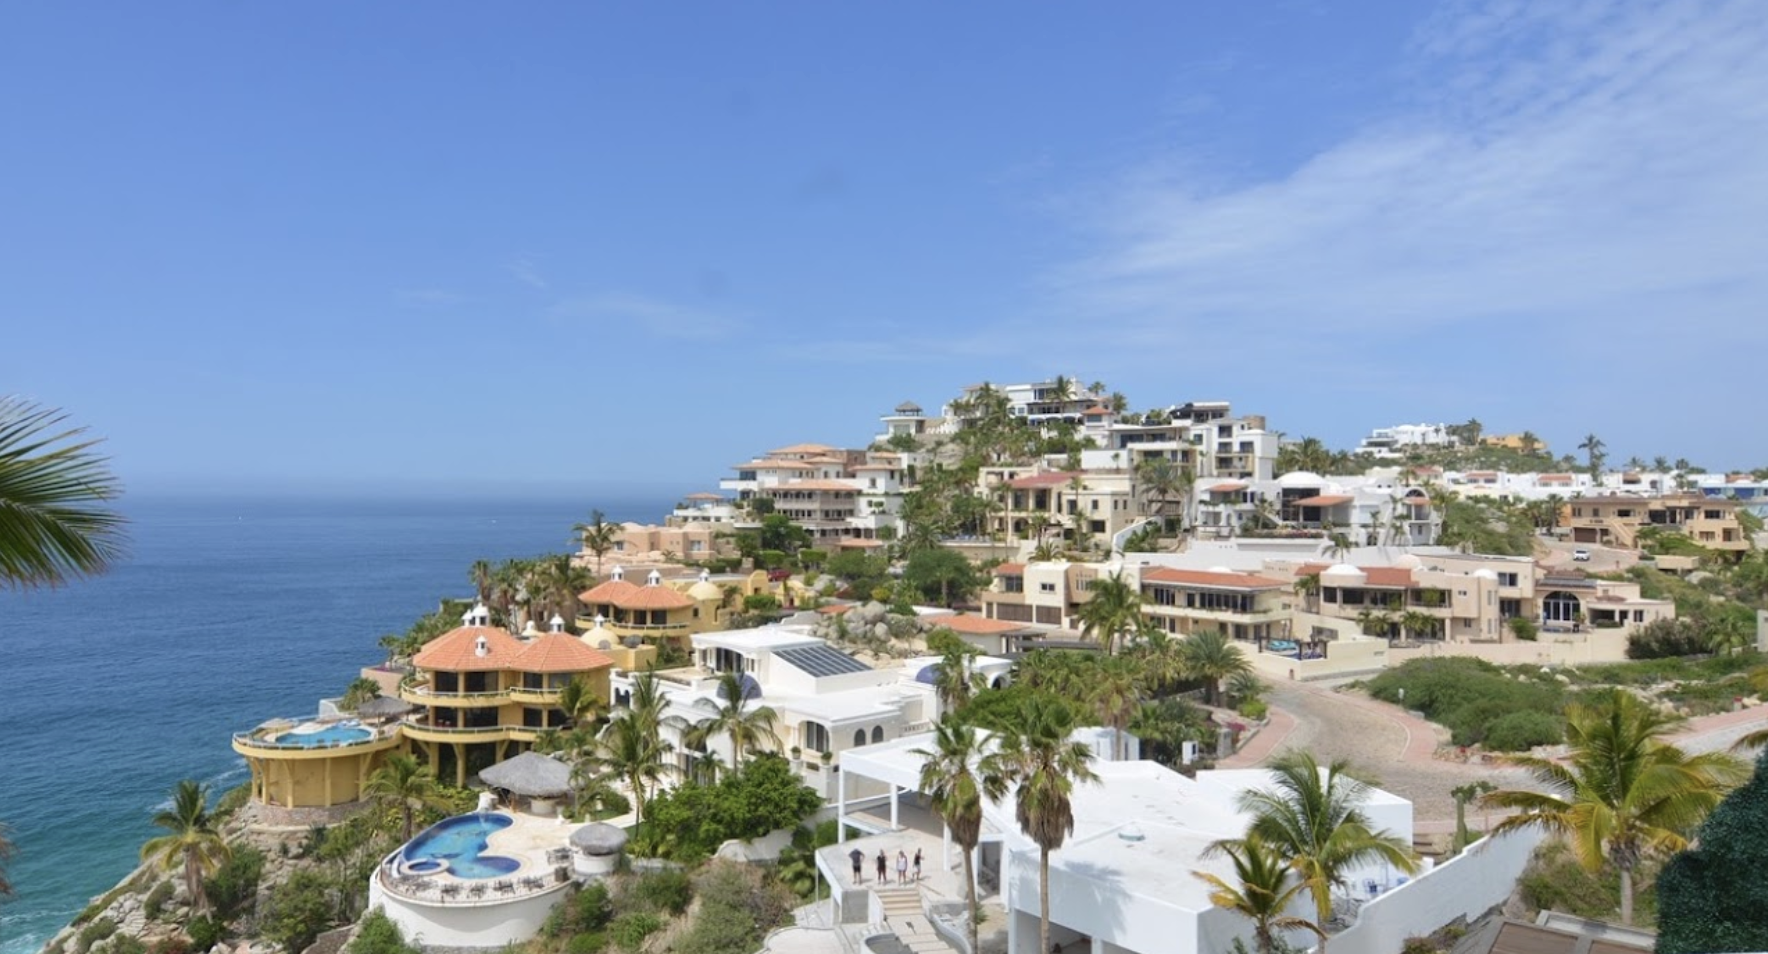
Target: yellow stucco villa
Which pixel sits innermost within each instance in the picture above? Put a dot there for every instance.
(654, 612)
(478, 695)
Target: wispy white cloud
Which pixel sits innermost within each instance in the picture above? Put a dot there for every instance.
(528, 273)
(1584, 165)
(612, 310)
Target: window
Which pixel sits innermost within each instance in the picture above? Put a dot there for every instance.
(815, 735)
(1046, 587)
(1507, 579)
(877, 734)
(859, 738)
(1012, 584)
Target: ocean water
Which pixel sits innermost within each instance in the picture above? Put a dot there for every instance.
(225, 613)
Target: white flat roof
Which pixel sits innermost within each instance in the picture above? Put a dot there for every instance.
(765, 637)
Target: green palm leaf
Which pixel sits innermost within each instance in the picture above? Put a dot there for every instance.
(53, 527)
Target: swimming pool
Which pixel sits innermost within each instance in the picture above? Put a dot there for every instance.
(457, 842)
(340, 734)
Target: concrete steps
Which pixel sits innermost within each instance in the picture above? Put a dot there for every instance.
(903, 914)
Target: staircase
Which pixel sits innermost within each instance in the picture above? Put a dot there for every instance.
(903, 915)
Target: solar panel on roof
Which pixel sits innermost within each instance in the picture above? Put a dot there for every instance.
(821, 660)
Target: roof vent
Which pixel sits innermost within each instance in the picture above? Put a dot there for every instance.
(481, 647)
(557, 623)
(1130, 832)
(705, 575)
(618, 574)
(653, 578)
(477, 616)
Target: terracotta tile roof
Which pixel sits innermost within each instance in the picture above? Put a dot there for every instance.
(1227, 581)
(631, 596)
(860, 543)
(559, 652)
(1324, 500)
(878, 467)
(1009, 569)
(1035, 481)
(1481, 473)
(1096, 410)
(829, 485)
(976, 625)
(457, 650)
(782, 465)
(805, 449)
(704, 496)
(1554, 479)
(1229, 487)
(825, 460)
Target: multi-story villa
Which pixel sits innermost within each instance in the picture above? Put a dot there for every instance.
(834, 494)
(1374, 508)
(1616, 521)
(654, 612)
(1244, 606)
(1035, 502)
(826, 700)
(1389, 442)
(1041, 402)
(1200, 437)
(481, 691)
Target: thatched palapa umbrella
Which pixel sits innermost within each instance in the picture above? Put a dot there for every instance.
(531, 775)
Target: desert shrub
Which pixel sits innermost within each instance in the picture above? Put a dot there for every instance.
(1467, 695)
(296, 912)
(1554, 880)
(204, 932)
(93, 933)
(156, 900)
(690, 821)
(234, 885)
(379, 935)
(662, 891)
(591, 942)
(1517, 731)
(1524, 629)
(587, 910)
(1667, 637)
(126, 944)
(629, 930)
(1418, 945)
(1254, 708)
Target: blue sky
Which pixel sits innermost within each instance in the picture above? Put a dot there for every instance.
(512, 247)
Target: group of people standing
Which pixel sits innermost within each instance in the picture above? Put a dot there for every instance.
(902, 866)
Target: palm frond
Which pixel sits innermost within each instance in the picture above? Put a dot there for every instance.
(53, 525)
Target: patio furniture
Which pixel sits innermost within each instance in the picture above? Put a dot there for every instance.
(505, 885)
(477, 890)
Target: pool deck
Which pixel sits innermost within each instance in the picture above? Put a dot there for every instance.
(540, 845)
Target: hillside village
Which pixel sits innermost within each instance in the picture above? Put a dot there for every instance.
(824, 702)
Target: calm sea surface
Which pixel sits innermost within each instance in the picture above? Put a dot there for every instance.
(225, 613)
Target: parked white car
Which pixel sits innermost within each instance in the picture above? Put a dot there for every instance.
(1581, 555)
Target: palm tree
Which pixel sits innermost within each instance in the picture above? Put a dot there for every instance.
(1211, 656)
(1622, 793)
(948, 777)
(481, 573)
(192, 840)
(1308, 588)
(1315, 818)
(1036, 762)
(53, 527)
(627, 751)
(747, 728)
(1112, 613)
(598, 535)
(579, 702)
(955, 682)
(1528, 442)
(1593, 449)
(407, 783)
(1159, 480)
(1264, 892)
(1115, 694)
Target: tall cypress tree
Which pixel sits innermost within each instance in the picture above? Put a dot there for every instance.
(1713, 897)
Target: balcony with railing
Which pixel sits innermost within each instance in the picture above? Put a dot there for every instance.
(426, 694)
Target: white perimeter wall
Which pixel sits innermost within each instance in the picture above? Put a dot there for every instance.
(464, 923)
(1463, 887)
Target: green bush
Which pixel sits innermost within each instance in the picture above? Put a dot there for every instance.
(156, 900)
(127, 944)
(1554, 880)
(1667, 637)
(690, 821)
(1712, 896)
(591, 942)
(296, 912)
(1524, 629)
(1519, 731)
(663, 891)
(586, 911)
(93, 933)
(629, 930)
(205, 932)
(233, 886)
(1254, 708)
(1468, 695)
(761, 603)
(379, 935)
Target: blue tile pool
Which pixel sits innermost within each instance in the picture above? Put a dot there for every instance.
(328, 736)
(455, 845)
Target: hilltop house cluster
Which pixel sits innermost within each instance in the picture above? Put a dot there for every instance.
(1312, 575)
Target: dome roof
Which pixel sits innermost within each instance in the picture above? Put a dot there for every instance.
(1485, 573)
(1218, 569)
(929, 675)
(1344, 572)
(1409, 562)
(1301, 478)
(599, 838)
(705, 590)
(751, 688)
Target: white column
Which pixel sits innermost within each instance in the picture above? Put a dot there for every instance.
(893, 825)
(945, 846)
(840, 806)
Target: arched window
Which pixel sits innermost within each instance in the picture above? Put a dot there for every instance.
(877, 734)
(859, 738)
(1560, 607)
